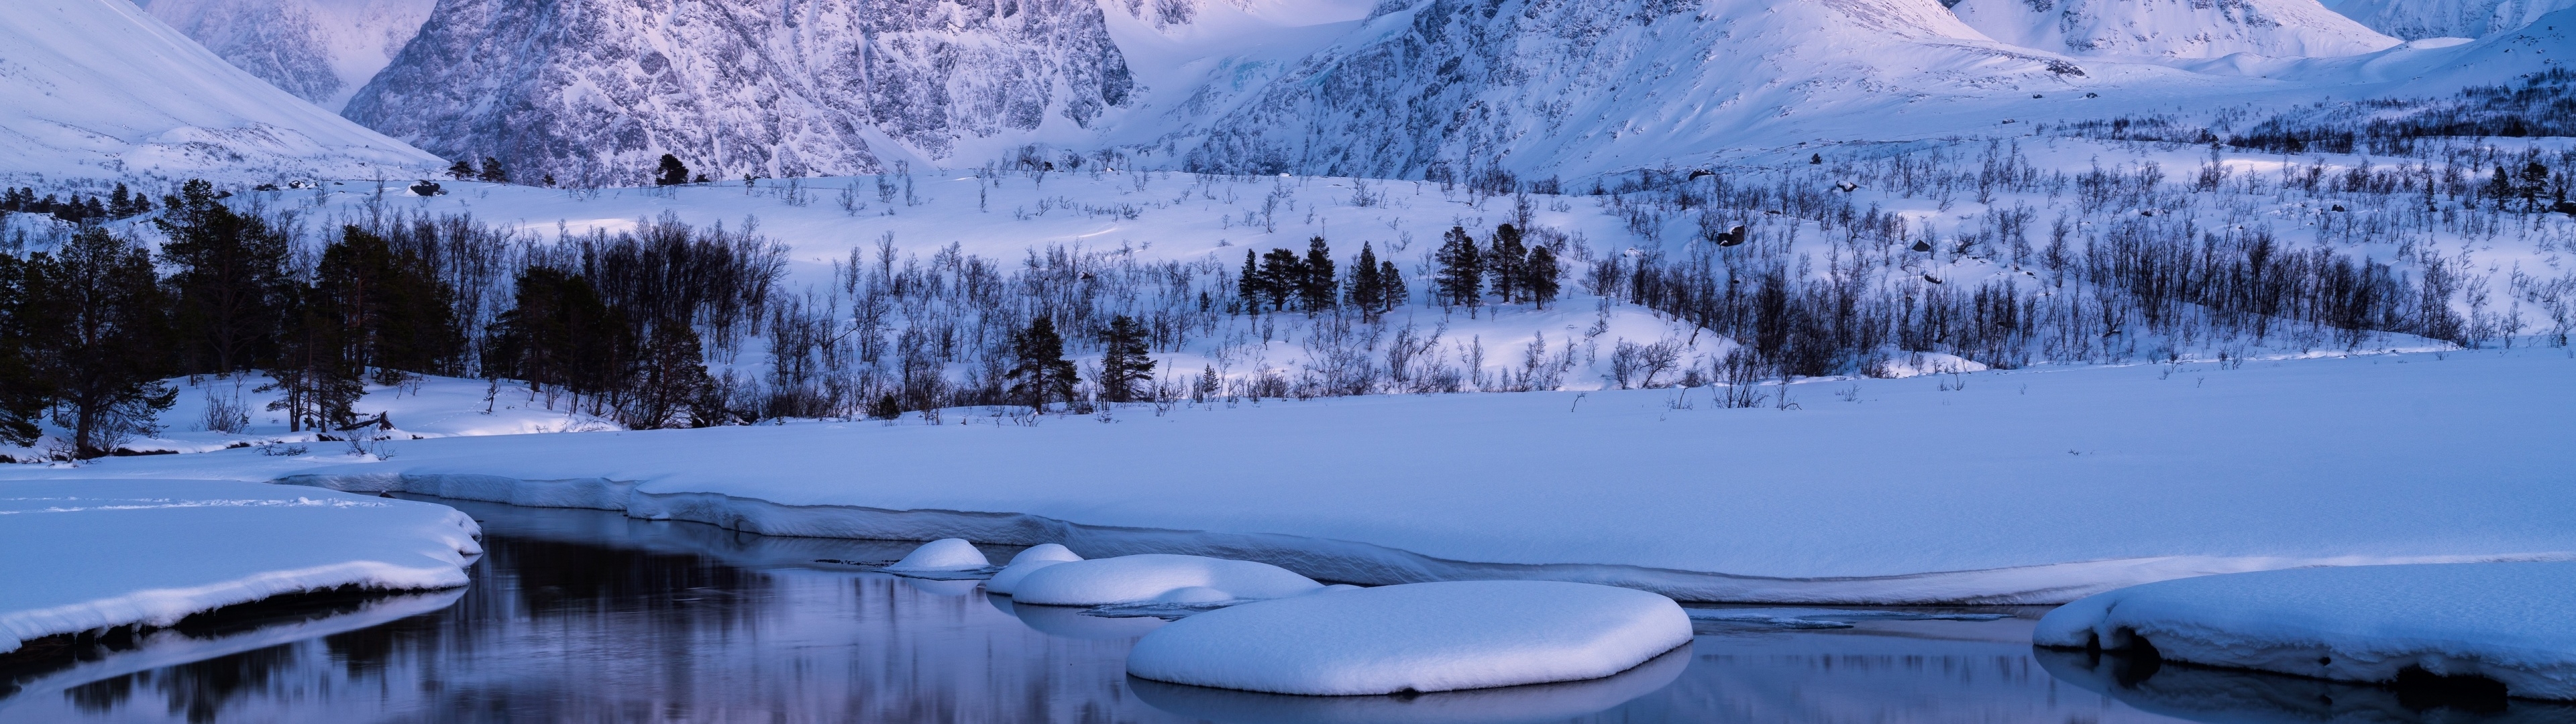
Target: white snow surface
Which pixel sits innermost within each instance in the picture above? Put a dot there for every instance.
(945, 554)
(99, 90)
(1420, 637)
(91, 554)
(1157, 578)
(2172, 28)
(1531, 704)
(2027, 486)
(1026, 562)
(2511, 622)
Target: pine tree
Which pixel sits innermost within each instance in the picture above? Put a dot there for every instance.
(1282, 273)
(1039, 373)
(1391, 290)
(559, 332)
(1366, 288)
(1503, 263)
(24, 394)
(1250, 284)
(99, 328)
(494, 172)
(1460, 279)
(1317, 289)
(463, 170)
(673, 173)
(394, 314)
(319, 382)
(1539, 275)
(229, 274)
(1208, 383)
(1124, 367)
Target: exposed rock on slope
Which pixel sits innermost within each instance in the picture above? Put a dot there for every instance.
(597, 90)
(319, 50)
(2418, 19)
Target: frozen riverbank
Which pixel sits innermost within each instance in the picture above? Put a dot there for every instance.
(2033, 486)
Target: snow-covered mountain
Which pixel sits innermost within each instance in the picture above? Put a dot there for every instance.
(1588, 85)
(2417, 19)
(598, 90)
(319, 50)
(2173, 28)
(98, 89)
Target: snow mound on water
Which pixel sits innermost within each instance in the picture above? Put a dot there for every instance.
(1148, 577)
(945, 554)
(1027, 562)
(1420, 637)
(2511, 622)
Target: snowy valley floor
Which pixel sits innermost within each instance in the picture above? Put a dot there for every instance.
(2032, 486)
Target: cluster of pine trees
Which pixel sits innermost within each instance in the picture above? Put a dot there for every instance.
(1281, 280)
(89, 329)
(1508, 268)
(75, 209)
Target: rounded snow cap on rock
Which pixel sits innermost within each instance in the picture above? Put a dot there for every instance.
(1027, 562)
(1420, 637)
(1557, 702)
(945, 554)
(1145, 578)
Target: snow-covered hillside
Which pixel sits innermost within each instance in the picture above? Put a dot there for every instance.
(96, 89)
(319, 50)
(2172, 28)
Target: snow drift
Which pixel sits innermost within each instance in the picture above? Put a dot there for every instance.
(99, 90)
(93, 554)
(1026, 562)
(2510, 622)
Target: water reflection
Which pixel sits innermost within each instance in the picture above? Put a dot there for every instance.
(2207, 694)
(590, 616)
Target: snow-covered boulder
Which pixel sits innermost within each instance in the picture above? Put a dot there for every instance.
(1147, 578)
(2514, 623)
(92, 554)
(1419, 637)
(943, 555)
(1027, 562)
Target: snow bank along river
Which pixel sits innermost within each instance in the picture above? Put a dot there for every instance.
(85, 555)
(2035, 486)
(577, 615)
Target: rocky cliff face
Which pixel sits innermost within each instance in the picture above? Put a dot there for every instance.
(594, 91)
(319, 50)
(2418, 19)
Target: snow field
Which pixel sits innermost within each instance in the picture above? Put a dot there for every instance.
(1157, 578)
(2510, 622)
(1422, 637)
(1027, 562)
(100, 553)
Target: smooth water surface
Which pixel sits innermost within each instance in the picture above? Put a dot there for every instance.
(582, 616)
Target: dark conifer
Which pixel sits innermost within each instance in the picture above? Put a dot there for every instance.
(673, 172)
(1124, 368)
(1539, 275)
(229, 274)
(1282, 273)
(494, 172)
(1040, 374)
(24, 394)
(1503, 263)
(1250, 284)
(99, 329)
(1316, 286)
(1460, 279)
(1366, 287)
(463, 170)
